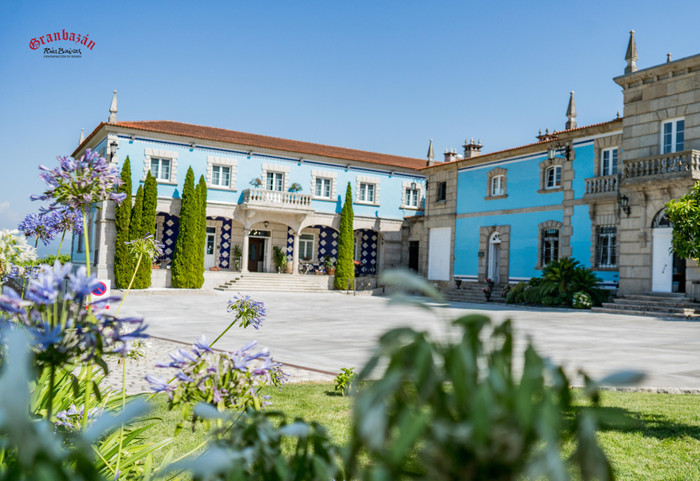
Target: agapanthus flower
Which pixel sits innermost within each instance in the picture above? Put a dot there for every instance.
(73, 416)
(147, 247)
(247, 310)
(226, 380)
(14, 250)
(77, 183)
(65, 326)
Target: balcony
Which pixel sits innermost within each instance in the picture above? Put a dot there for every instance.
(601, 186)
(677, 165)
(274, 200)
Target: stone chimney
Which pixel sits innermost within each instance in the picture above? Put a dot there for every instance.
(431, 154)
(547, 136)
(113, 109)
(451, 155)
(571, 113)
(631, 56)
(471, 148)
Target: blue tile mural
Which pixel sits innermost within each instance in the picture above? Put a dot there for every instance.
(225, 246)
(171, 227)
(326, 244)
(368, 252)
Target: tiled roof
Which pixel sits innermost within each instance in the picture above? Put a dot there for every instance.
(264, 142)
(487, 155)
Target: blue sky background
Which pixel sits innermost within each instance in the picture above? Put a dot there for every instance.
(383, 76)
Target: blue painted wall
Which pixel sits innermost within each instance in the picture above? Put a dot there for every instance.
(250, 167)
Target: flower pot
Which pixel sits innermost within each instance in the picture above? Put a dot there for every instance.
(331, 271)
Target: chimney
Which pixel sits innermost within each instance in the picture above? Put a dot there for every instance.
(431, 154)
(451, 155)
(471, 148)
(113, 109)
(547, 136)
(631, 56)
(571, 113)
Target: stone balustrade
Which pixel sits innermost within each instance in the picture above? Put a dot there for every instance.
(677, 164)
(273, 198)
(601, 185)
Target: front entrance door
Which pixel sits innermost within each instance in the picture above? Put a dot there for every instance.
(662, 260)
(256, 252)
(439, 254)
(413, 249)
(209, 246)
(495, 258)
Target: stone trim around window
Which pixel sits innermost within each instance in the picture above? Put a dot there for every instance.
(407, 185)
(602, 143)
(283, 169)
(544, 165)
(362, 179)
(485, 233)
(224, 162)
(333, 176)
(489, 177)
(550, 224)
(161, 154)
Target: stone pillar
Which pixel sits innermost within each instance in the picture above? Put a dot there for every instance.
(295, 255)
(244, 257)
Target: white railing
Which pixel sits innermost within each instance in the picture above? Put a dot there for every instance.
(601, 185)
(682, 164)
(276, 198)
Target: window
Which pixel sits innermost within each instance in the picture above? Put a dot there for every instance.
(411, 197)
(606, 249)
(441, 192)
(211, 241)
(550, 246)
(367, 192)
(322, 187)
(552, 177)
(160, 168)
(306, 247)
(275, 181)
(608, 166)
(672, 136)
(221, 175)
(497, 185)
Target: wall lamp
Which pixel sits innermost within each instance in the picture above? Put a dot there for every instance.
(266, 224)
(113, 150)
(563, 150)
(624, 203)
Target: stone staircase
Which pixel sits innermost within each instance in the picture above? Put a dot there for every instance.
(255, 281)
(675, 305)
(472, 292)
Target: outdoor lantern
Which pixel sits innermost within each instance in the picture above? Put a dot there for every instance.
(625, 205)
(266, 223)
(563, 150)
(113, 150)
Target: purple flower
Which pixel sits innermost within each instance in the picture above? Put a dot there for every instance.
(11, 302)
(158, 385)
(248, 311)
(183, 377)
(45, 335)
(77, 183)
(82, 285)
(201, 346)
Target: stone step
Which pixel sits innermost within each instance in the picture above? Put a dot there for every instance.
(651, 308)
(624, 301)
(644, 313)
(275, 282)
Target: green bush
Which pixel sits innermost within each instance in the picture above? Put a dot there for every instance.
(582, 300)
(515, 293)
(345, 267)
(123, 263)
(185, 252)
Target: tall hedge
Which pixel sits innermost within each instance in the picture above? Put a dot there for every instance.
(136, 231)
(186, 242)
(147, 226)
(345, 268)
(123, 266)
(202, 230)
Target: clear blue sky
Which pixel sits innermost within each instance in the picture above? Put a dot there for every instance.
(384, 76)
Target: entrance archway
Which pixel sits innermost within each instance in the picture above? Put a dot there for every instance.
(494, 267)
(667, 269)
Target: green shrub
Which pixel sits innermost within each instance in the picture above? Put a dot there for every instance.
(345, 267)
(515, 293)
(582, 300)
(344, 380)
(123, 263)
(184, 254)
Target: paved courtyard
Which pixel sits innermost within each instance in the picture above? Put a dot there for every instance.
(327, 331)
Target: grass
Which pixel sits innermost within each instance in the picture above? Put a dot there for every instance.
(661, 440)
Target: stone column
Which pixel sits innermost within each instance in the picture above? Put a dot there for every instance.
(244, 257)
(295, 254)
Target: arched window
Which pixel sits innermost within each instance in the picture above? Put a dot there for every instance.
(497, 183)
(552, 177)
(550, 246)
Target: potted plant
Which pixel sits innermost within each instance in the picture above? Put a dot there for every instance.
(329, 265)
(256, 182)
(295, 187)
(279, 258)
(487, 290)
(237, 254)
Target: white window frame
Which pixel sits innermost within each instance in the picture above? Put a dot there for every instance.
(606, 242)
(278, 169)
(231, 164)
(326, 187)
(366, 194)
(674, 146)
(362, 199)
(553, 249)
(151, 154)
(555, 185)
(332, 176)
(497, 185)
(221, 171)
(613, 154)
(405, 197)
(161, 162)
(275, 181)
(307, 241)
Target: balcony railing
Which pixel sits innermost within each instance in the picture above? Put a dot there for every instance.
(273, 198)
(677, 164)
(601, 185)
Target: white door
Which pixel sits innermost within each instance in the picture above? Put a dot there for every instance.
(662, 262)
(494, 257)
(439, 254)
(209, 248)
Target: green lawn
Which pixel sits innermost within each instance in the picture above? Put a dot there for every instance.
(661, 443)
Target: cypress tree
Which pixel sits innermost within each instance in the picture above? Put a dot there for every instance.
(345, 267)
(123, 266)
(202, 231)
(185, 244)
(136, 232)
(148, 226)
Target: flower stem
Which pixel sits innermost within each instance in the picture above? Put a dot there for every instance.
(58, 254)
(222, 334)
(121, 432)
(88, 375)
(52, 380)
(87, 242)
(133, 276)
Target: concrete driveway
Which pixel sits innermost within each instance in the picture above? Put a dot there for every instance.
(327, 331)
